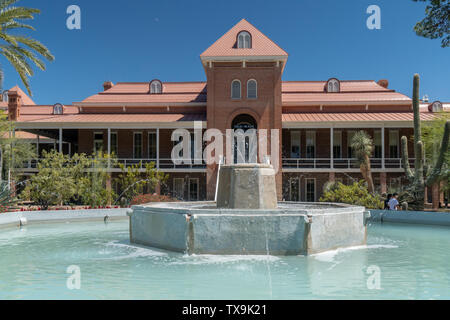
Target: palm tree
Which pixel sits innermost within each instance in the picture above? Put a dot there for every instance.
(20, 50)
(362, 147)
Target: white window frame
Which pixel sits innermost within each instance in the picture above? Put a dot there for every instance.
(98, 140)
(397, 141)
(333, 86)
(116, 144)
(156, 144)
(198, 189)
(337, 137)
(134, 144)
(240, 89)
(256, 89)
(306, 189)
(182, 187)
(58, 109)
(299, 133)
(377, 132)
(157, 89)
(313, 132)
(245, 35)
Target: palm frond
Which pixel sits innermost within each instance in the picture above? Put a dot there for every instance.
(6, 3)
(11, 13)
(20, 50)
(20, 65)
(35, 45)
(15, 25)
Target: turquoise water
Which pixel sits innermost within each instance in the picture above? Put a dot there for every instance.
(413, 263)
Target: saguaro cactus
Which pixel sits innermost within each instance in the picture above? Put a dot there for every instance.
(422, 175)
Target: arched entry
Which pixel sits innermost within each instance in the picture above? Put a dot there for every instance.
(245, 141)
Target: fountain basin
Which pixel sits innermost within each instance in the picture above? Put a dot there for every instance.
(290, 229)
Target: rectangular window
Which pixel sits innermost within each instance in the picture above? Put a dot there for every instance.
(137, 145)
(310, 190)
(152, 145)
(337, 144)
(350, 135)
(114, 143)
(310, 144)
(98, 142)
(193, 189)
(294, 189)
(178, 188)
(377, 144)
(393, 144)
(295, 144)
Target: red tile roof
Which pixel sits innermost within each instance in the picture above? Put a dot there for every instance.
(354, 116)
(26, 100)
(138, 92)
(225, 46)
(108, 118)
(293, 92)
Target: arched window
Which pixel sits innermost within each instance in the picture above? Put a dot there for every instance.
(333, 85)
(244, 40)
(236, 89)
(58, 109)
(252, 89)
(155, 87)
(436, 107)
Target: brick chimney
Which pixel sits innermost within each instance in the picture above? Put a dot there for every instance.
(108, 85)
(14, 104)
(384, 83)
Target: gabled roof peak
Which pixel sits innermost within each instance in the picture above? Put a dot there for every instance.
(226, 45)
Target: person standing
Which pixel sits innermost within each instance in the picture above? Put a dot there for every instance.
(393, 202)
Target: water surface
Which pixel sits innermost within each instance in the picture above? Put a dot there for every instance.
(413, 261)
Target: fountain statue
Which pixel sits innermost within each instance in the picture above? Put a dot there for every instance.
(247, 219)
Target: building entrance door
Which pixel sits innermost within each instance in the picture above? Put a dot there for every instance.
(245, 140)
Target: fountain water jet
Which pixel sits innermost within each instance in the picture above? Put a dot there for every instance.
(248, 220)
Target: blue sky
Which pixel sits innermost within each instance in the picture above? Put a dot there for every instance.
(145, 39)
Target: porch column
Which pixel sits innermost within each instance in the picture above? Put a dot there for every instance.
(383, 182)
(60, 140)
(382, 149)
(157, 148)
(37, 146)
(331, 148)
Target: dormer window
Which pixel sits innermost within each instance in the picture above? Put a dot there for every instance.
(436, 107)
(155, 87)
(58, 109)
(333, 85)
(5, 96)
(244, 40)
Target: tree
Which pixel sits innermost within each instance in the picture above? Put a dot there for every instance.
(362, 147)
(13, 151)
(132, 182)
(20, 50)
(92, 185)
(436, 24)
(57, 179)
(423, 174)
(355, 194)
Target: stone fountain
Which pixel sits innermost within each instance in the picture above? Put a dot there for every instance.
(247, 219)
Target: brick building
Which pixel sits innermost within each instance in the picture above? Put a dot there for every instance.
(244, 86)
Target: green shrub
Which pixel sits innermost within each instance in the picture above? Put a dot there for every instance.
(356, 194)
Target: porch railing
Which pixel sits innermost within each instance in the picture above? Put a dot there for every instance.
(341, 163)
(140, 163)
